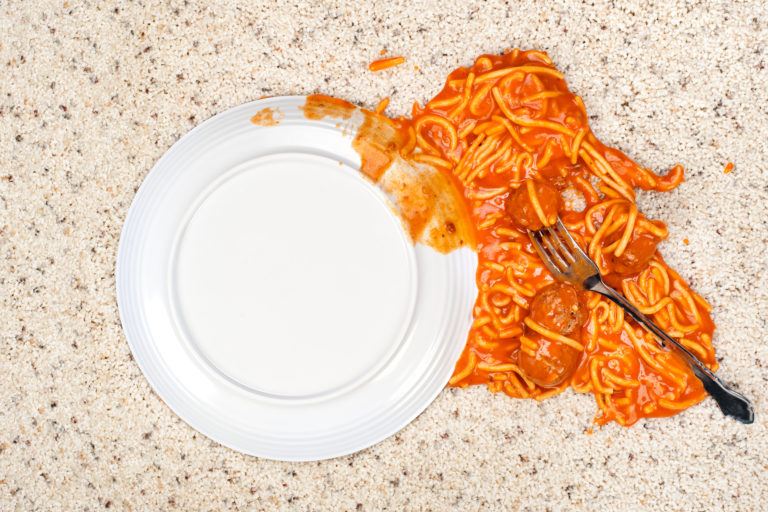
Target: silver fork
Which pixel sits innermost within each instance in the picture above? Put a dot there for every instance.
(567, 262)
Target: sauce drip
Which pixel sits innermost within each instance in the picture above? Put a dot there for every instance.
(425, 199)
(319, 106)
(267, 117)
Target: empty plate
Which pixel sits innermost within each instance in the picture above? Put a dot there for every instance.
(272, 297)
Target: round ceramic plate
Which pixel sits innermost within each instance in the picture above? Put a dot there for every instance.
(272, 297)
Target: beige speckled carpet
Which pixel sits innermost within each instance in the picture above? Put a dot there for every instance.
(92, 94)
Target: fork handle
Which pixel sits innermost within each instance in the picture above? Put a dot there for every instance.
(732, 403)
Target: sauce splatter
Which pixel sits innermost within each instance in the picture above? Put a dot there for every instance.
(728, 168)
(319, 106)
(377, 142)
(267, 117)
(426, 200)
(429, 205)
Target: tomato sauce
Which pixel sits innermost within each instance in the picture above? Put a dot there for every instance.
(497, 152)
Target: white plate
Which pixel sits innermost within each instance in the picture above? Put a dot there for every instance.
(273, 299)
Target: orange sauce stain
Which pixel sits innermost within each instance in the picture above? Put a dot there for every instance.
(267, 117)
(426, 200)
(728, 168)
(377, 142)
(320, 106)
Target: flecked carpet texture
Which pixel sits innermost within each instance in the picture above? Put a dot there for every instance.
(93, 93)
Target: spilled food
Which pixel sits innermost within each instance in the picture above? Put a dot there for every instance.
(382, 64)
(506, 147)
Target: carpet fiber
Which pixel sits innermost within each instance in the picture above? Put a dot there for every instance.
(93, 93)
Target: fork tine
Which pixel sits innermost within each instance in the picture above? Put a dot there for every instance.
(545, 258)
(554, 256)
(582, 262)
(570, 242)
(562, 248)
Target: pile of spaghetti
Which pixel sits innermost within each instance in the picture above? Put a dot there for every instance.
(518, 144)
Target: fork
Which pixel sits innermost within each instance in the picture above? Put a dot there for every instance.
(568, 262)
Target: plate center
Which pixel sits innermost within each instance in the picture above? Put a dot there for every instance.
(293, 276)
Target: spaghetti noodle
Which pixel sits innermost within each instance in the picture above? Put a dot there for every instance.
(517, 142)
(389, 62)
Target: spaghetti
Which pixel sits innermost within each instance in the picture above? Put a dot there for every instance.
(514, 142)
(517, 143)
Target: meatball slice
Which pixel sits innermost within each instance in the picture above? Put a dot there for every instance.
(534, 199)
(560, 308)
